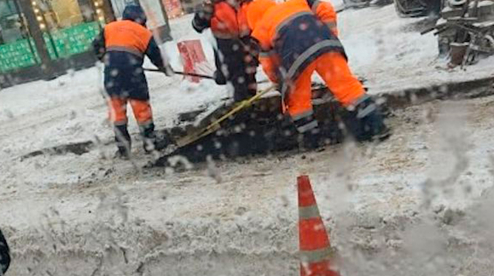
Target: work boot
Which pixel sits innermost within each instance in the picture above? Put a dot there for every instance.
(148, 137)
(219, 77)
(365, 121)
(123, 140)
(162, 142)
(311, 140)
(309, 132)
(121, 154)
(151, 140)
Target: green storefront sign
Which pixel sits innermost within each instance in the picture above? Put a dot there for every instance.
(71, 41)
(16, 55)
(61, 44)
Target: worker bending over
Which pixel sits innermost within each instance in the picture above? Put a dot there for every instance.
(294, 44)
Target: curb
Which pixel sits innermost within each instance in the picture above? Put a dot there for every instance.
(477, 88)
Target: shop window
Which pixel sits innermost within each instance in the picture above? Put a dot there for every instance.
(68, 26)
(60, 13)
(16, 46)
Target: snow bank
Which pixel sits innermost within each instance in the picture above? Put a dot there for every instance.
(390, 52)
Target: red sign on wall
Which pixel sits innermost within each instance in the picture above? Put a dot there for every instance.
(192, 55)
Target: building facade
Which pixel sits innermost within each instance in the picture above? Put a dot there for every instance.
(156, 13)
(42, 39)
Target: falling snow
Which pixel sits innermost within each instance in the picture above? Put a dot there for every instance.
(417, 204)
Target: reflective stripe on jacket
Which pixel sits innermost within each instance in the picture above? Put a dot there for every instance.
(293, 32)
(127, 36)
(122, 45)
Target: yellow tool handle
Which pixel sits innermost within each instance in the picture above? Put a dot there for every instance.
(241, 106)
(212, 127)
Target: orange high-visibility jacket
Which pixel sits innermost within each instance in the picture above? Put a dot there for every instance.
(290, 37)
(325, 11)
(229, 22)
(225, 20)
(122, 45)
(127, 36)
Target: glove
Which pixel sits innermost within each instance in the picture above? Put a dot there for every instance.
(100, 55)
(168, 70)
(219, 77)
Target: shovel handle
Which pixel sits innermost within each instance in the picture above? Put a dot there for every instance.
(214, 126)
(181, 73)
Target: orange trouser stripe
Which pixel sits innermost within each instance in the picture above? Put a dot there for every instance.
(118, 111)
(142, 111)
(334, 70)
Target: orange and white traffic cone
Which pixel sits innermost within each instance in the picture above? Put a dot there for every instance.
(315, 250)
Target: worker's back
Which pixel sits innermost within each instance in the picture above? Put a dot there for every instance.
(122, 46)
(127, 36)
(228, 22)
(234, 62)
(293, 31)
(325, 12)
(267, 18)
(225, 20)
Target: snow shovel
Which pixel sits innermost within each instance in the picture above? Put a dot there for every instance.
(214, 126)
(193, 74)
(182, 73)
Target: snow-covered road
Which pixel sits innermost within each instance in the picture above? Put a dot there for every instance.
(414, 205)
(419, 197)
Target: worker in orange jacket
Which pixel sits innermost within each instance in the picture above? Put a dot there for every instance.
(122, 46)
(294, 44)
(234, 63)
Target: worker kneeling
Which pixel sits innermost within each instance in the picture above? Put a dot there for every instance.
(122, 45)
(294, 43)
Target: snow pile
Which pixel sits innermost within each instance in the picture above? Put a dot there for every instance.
(392, 55)
(388, 216)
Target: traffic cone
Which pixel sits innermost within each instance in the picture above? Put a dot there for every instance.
(315, 250)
